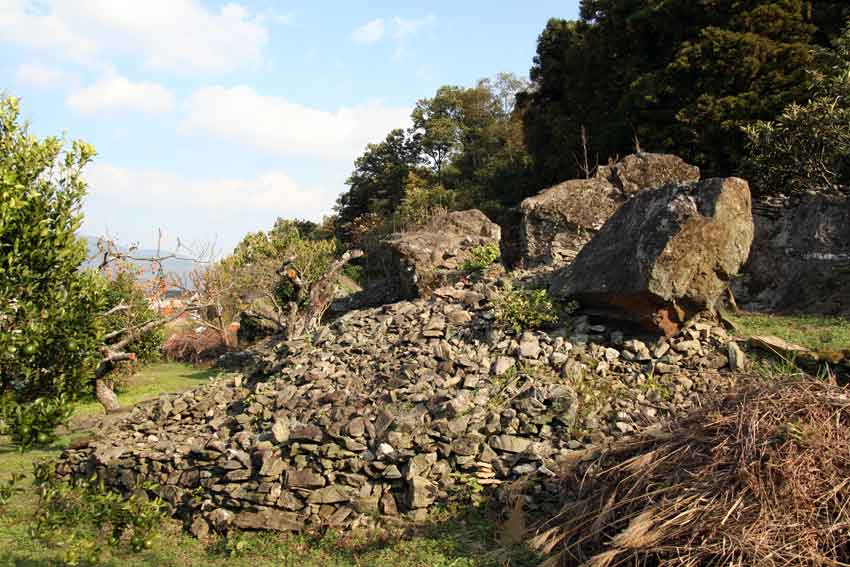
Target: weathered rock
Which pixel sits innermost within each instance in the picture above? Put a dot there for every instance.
(422, 493)
(647, 171)
(559, 221)
(331, 495)
(423, 258)
(737, 358)
(280, 430)
(529, 346)
(200, 528)
(509, 443)
(503, 364)
(666, 255)
(800, 257)
(304, 479)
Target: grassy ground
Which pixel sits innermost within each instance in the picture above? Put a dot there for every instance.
(815, 332)
(459, 538)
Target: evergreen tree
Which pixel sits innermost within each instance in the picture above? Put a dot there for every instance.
(674, 75)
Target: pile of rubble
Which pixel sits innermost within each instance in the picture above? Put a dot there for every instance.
(389, 410)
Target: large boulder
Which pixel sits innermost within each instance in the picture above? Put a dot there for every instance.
(665, 255)
(646, 171)
(559, 221)
(800, 259)
(422, 259)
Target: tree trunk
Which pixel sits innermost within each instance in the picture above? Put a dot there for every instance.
(104, 394)
(306, 320)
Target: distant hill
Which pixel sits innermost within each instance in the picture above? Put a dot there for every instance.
(180, 267)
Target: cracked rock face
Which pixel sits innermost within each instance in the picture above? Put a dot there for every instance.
(390, 410)
(666, 255)
(800, 258)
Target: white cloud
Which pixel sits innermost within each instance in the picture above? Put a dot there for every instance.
(369, 32)
(175, 35)
(403, 28)
(280, 126)
(38, 75)
(118, 93)
(153, 189)
(27, 23)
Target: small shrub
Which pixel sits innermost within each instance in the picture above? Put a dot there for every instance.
(422, 201)
(355, 273)
(33, 424)
(83, 517)
(483, 257)
(124, 288)
(9, 488)
(522, 309)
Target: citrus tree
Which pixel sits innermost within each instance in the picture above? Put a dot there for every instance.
(49, 309)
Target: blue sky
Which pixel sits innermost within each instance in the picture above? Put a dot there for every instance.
(211, 119)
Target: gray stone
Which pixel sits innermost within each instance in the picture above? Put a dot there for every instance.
(503, 364)
(280, 431)
(304, 479)
(529, 346)
(737, 358)
(509, 443)
(332, 494)
(268, 520)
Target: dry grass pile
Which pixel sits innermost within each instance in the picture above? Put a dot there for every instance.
(760, 478)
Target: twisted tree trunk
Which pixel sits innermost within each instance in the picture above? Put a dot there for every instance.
(308, 318)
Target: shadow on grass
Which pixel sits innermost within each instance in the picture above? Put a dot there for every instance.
(460, 537)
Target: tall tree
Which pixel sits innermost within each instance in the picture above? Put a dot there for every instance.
(674, 75)
(377, 182)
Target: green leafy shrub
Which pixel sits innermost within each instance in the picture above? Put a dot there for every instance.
(84, 517)
(483, 257)
(34, 424)
(49, 309)
(522, 309)
(807, 147)
(256, 263)
(9, 488)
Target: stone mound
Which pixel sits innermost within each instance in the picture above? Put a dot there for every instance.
(389, 410)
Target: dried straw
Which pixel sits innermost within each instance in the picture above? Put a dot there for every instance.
(759, 478)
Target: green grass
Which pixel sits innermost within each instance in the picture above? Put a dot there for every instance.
(151, 381)
(460, 538)
(814, 332)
